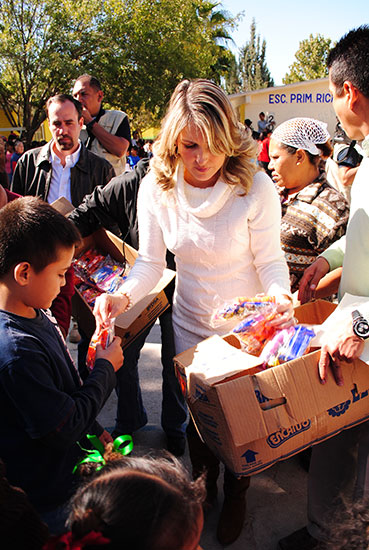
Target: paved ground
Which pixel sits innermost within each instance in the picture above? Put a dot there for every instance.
(276, 499)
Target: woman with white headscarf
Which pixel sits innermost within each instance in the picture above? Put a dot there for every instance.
(314, 214)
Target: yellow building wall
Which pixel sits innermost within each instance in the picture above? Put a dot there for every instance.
(46, 131)
(42, 133)
(4, 123)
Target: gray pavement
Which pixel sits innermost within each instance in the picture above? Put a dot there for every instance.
(276, 499)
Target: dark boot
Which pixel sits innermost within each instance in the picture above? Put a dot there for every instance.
(232, 516)
(203, 460)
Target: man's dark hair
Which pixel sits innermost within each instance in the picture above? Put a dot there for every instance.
(62, 98)
(348, 60)
(92, 81)
(33, 231)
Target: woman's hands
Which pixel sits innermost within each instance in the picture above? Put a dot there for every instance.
(108, 306)
(284, 317)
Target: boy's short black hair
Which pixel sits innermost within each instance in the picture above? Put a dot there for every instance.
(33, 231)
(348, 60)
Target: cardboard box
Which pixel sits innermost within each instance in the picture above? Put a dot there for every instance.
(251, 419)
(131, 324)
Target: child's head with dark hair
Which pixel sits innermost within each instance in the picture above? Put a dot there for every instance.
(32, 231)
(36, 248)
(141, 503)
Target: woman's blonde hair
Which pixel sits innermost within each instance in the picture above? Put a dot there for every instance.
(204, 105)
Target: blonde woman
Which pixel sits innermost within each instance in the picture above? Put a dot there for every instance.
(204, 201)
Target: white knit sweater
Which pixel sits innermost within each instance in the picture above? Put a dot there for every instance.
(228, 246)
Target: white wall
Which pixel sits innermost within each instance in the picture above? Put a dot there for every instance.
(308, 99)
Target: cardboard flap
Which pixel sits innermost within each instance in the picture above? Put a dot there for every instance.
(63, 206)
(121, 251)
(314, 313)
(214, 360)
(126, 319)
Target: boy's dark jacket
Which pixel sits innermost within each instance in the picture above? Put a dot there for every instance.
(44, 408)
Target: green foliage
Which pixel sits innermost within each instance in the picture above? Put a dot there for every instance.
(157, 44)
(311, 60)
(41, 46)
(139, 49)
(254, 73)
(232, 81)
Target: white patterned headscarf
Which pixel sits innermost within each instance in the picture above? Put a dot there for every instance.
(302, 133)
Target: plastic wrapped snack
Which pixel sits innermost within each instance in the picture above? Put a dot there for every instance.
(254, 331)
(104, 336)
(99, 274)
(86, 264)
(298, 344)
(287, 344)
(240, 308)
(90, 294)
(109, 276)
(270, 354)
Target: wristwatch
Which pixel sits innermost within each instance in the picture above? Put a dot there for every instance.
(360, 326)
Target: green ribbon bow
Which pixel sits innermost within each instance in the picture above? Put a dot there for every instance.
(122, 444)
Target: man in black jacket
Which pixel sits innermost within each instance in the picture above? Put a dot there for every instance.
(62, 167)
(114, 207)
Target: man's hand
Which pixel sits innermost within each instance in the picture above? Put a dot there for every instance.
(86, 115)
(112, 353)
(342, 345)
(311, 278)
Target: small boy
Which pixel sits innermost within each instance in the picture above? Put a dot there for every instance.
(44, 408)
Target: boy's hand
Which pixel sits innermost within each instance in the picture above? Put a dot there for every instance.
(108, 306)
(112, 353)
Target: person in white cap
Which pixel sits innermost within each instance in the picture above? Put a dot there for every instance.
(314, 214)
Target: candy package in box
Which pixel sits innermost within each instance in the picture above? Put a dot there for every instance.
(103, 336)
(254, 331)
(87, 264)
(109, 276)
(97, 274)
(287, 344)
(89, 293)
(240, 308)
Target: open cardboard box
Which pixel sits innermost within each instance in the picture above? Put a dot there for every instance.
(252, 418)
(128, 325)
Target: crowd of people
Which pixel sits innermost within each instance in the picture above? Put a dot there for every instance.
(231, 223)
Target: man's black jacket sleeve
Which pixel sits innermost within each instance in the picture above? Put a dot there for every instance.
(113, 206)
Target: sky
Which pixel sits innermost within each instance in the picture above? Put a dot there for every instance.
(283, 24)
